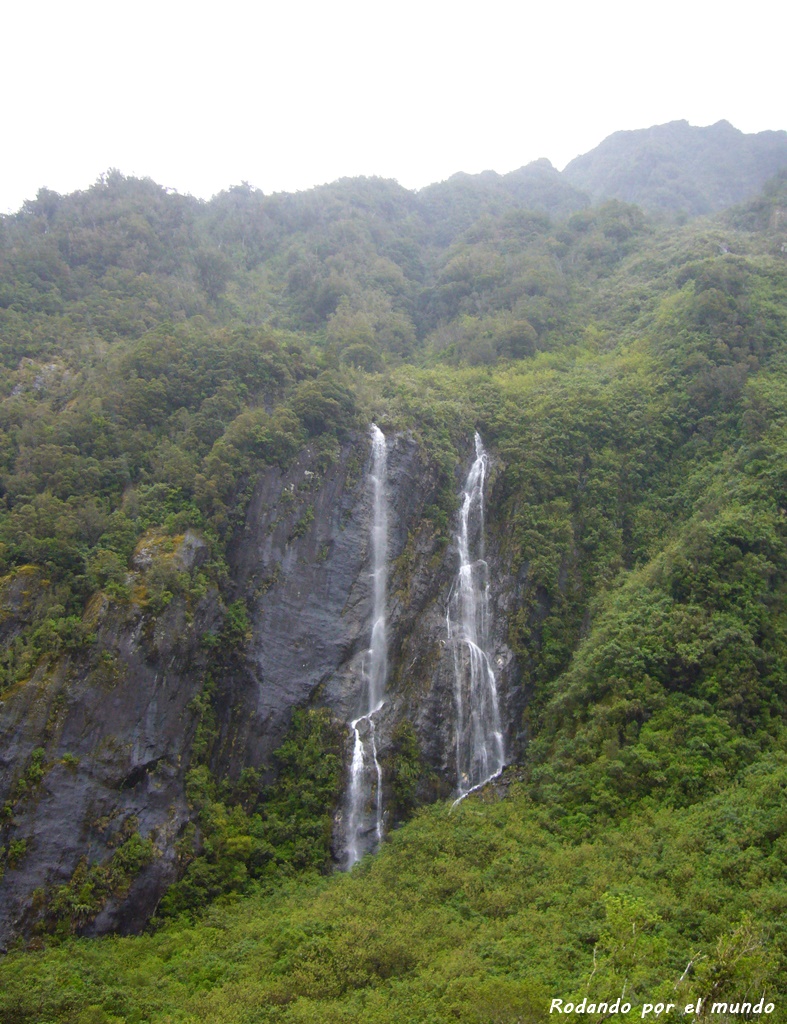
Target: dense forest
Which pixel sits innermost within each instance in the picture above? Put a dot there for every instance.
(165, 362)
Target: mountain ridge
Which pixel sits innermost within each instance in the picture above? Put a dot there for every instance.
(680, 168)
(673, 168)
(186, 393)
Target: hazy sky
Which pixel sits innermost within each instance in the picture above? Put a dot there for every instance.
(203, 97)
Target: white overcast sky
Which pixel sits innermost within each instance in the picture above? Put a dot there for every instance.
(203, 96)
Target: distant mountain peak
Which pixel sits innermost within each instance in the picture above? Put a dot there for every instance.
(727, 126)
(680, 168)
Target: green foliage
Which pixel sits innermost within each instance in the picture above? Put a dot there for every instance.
(15, 852)
(69, 907)
(236, 630)
(406, 769)
(26, 785)
(630, 382)
(323, 404)
(680, 683)
(206, 726)
(248, 831)
(679, 169)
(298, 807)
(483, 913)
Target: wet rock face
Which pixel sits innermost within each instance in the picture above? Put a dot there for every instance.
(115, 737)
(117, 727)
(422, 672)
(303, 565)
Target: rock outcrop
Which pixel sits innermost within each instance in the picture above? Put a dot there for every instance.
(109, 734)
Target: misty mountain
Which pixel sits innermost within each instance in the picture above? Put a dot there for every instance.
(678, 167)
(320, 512)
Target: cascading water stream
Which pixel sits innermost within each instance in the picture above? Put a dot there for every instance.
(365, 796)
(480, 754)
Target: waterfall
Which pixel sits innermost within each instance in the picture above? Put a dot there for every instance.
(364, 805)
(479, 738)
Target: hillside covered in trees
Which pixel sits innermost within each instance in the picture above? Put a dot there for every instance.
(186, 392)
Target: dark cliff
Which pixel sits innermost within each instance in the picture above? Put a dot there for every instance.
(104, 742)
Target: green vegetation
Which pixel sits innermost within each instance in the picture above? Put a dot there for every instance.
(248, 831)
(630, 381)
(73, 905)
(679, 169)
(481, 914)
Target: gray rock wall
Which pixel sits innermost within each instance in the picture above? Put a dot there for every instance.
(125, 717)
(124, 726)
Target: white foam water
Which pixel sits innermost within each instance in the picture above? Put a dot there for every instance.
(480, 753)
(364, 804)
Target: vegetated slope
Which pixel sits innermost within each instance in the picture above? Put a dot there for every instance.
(680, 168)
(660, 844)
(157, 431)
(630, 383)
(454, 205)
(482, 914)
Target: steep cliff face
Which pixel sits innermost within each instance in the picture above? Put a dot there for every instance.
(94, 752)
(307, 577)
(96, 748)
(422, 677)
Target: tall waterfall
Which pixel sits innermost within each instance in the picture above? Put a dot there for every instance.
(479, 738)
(364, 807)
